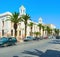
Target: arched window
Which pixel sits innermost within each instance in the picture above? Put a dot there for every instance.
(19, 33)
(2, 32)
(12, 32)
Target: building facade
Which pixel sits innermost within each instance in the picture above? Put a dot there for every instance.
(6, 27)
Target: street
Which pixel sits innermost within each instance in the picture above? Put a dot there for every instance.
(41, 48)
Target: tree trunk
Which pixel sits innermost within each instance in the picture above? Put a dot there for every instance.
(25, 29)
(15, 32)
(15, 28)
(43, 32)
(40, 31)
(31, 32)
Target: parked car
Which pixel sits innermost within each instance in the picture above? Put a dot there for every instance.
(36, 38)
(57, 37)
(46, 37)
(28, 38)
(12, 40)
(50, 37)
(41, 37)
(4, 41)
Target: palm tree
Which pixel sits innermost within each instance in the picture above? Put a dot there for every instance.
(37, 33)
(40, 26)
(56, 31)
(15, 19)
(31, 27)
(48, 30)
(25, 19)
(43, 27)
(51, 31)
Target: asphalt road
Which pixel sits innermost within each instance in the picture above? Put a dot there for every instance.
(41, 48)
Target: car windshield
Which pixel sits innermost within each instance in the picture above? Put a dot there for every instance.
(13, 38)
(3, 38)
(29, 37)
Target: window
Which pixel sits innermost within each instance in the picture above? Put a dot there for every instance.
(2, 23)
(11, 32)
(2, 32)
(19, 33)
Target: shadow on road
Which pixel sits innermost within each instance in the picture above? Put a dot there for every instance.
(36, 52)
(48, 53)
(15, 56)
(55, 42)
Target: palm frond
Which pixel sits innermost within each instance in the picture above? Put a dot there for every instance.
(14, 18)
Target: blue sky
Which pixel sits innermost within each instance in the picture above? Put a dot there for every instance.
(49, 10)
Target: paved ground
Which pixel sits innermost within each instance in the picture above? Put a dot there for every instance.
(42, 48)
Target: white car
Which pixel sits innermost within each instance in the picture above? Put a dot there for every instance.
(51, 37)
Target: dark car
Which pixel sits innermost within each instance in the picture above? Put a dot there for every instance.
(28, 38)
(4, 41)
(41, 37)
(12, 40)
(57, 37)
(36, 38)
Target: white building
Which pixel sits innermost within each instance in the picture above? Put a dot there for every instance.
(6, 27)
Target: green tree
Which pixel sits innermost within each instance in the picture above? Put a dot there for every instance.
(56, 31)
(25, 18)
(31, 27)
(37, 33)
(51, 31)
(48, 30)
(43, 27)
(40, 26)
(15, 19)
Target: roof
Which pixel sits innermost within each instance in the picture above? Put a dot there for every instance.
(5, 14)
